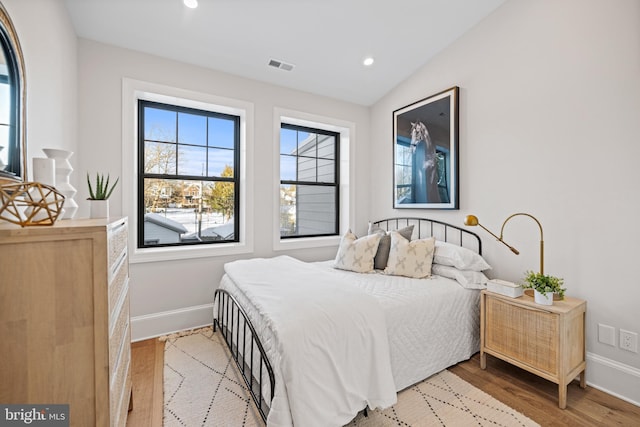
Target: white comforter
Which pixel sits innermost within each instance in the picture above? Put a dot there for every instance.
(432, 323)
(330, 341)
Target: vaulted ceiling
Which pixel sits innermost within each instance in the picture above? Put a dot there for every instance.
(326, 41)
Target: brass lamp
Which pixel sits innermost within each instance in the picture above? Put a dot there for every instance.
(472, 220)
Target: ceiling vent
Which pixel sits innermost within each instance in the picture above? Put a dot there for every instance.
(280, 65)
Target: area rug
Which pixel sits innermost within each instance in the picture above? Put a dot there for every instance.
(202, 387)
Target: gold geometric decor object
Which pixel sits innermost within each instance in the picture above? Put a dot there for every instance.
(30, 203)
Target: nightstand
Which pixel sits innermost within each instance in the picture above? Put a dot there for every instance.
(545, 340)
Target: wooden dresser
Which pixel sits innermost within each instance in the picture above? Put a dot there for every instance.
(64, 318)
(547, 340)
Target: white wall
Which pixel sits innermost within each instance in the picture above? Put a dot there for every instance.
(174, 295)
(49, 45)
(550, 100)
(549, 125)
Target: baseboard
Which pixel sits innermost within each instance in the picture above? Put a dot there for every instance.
(614, 378)
(168, 322)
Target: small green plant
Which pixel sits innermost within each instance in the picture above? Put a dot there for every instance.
(102, 189)
(544, 283)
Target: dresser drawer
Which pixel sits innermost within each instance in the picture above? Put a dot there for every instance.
(119, 333)
(120, 387)
(117, 284)
(119, 418)
(117, 237)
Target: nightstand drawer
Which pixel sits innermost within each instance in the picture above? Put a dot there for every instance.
(538, 347)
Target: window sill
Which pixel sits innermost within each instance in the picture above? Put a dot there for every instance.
(174, 253)
(305, 243)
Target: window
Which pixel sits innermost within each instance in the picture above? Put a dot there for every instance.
(12, 95)
(407, 172)
(404, 170)
(309, 182)
(188, 176)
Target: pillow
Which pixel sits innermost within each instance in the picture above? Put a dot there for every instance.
(356, 254)
(467, 278)
(382, 255)
(459, 257)
(410, 258)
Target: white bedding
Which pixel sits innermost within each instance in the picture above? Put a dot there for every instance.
(328, 342)
(430, 323)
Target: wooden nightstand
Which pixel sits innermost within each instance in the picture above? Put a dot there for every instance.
(545, 340)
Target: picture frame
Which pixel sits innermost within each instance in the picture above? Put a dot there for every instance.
(425, 153)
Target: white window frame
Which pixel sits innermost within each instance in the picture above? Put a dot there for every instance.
(347, 131)
(134, 90)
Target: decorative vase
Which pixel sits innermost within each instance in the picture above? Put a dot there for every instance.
(63, 172)
(99, 208)
(44, 171)
(546, 299)
(2, 164)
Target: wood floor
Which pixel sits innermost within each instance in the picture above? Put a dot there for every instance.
(147, 363)
(537, 398)
(525, 392)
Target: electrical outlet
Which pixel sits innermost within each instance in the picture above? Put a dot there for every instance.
(628, 341)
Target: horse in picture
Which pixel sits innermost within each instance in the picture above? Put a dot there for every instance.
(427, 175)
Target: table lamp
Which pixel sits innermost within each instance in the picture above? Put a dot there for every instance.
(472, 220)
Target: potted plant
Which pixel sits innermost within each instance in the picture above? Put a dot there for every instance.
(544, 287)
(99, 195)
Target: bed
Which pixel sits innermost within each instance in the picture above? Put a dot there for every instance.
(316, 344)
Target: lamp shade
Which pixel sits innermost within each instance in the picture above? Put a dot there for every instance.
(471, 220)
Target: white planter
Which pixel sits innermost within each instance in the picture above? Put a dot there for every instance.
(99, 208)
(543, 299)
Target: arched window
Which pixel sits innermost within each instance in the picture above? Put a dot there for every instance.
(12, 89)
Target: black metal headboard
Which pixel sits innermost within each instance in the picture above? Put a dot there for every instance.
(424, 227)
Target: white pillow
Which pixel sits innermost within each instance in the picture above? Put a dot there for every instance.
(459, 257)
(357, 254)
(467, 278)
(410, 258)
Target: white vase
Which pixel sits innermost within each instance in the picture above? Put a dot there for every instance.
(2, 164)
(44, 170)
(63, 172)
(99, 208)
(546, 299)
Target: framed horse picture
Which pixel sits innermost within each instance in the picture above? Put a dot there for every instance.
(425, 153)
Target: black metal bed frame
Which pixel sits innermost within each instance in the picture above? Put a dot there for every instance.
(440, 230)
(229, 315)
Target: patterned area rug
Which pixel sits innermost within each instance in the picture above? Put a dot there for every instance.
(202, 387)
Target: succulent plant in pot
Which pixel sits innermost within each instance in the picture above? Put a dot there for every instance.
(102, 189)
(544, 284)
(99, 194)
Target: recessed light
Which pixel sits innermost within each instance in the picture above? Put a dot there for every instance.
(191, 3)
(368, 61)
